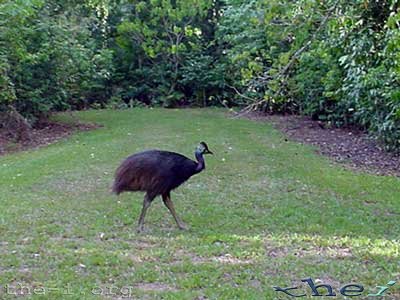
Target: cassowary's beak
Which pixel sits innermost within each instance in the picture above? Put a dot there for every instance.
(209, 152)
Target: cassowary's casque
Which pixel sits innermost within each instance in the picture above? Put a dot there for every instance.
(158, 172)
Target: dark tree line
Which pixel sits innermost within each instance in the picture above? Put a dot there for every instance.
(337, 61)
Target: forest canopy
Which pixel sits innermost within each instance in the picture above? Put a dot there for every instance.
(334, 60)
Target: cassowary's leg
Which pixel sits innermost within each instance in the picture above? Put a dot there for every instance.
(146, 204)
(168, 203)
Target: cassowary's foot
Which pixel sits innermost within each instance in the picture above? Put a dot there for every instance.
(140, 229)
(182, 226)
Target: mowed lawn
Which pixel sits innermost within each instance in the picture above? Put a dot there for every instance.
(266, 212)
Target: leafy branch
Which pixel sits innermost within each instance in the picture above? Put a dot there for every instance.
(283, 73)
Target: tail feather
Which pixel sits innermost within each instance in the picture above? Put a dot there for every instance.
(138, 173)
(117, 187)
(122, 178)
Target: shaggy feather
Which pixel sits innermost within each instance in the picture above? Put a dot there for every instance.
(154, 171)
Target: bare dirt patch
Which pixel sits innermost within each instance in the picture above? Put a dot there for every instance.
(155, 286)
(46, 134)
(309, 251)
(182, 255)
(350, 146)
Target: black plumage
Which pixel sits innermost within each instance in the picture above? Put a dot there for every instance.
(157, 172)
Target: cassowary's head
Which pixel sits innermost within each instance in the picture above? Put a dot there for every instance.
(202, 148)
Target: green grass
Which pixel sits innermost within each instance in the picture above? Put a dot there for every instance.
(264, 213)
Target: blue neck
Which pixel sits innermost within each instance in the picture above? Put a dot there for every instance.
(201, 164)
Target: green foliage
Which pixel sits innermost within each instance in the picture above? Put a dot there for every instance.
(335, 60)
(345, 72)
(204, 79)
(245, 46)
(14, 16)
(57, 62)
(158, 47)
(349, 76)
(7, 91)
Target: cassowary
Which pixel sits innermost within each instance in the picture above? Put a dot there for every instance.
(158, 172)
